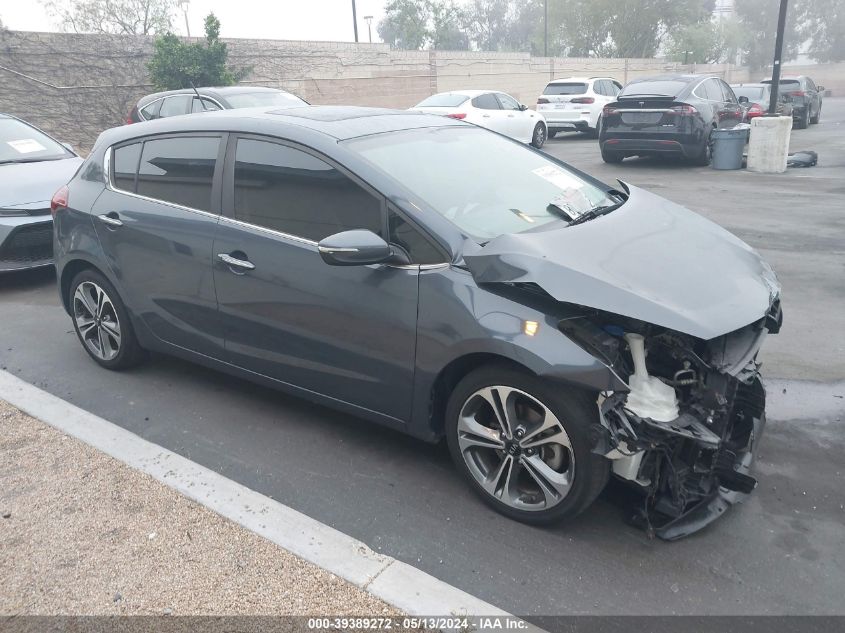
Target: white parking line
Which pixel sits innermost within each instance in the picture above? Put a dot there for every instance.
(399, 584)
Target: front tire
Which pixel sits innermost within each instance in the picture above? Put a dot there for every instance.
(538, 139)
(522, 444)
(102, 323)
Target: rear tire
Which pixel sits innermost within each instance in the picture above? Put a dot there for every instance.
(814, 120)
(803, 120)
(551, 134)
(595, 131)
(538, 139)
(537, 466)
(102, 323)
(705, 156)
(609, 156)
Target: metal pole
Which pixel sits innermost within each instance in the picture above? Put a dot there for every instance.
(354, 21)
(545, 28)
(369, 20)
(773, 101)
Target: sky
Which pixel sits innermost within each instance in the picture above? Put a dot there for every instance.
(327, 20)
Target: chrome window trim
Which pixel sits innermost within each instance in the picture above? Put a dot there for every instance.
(110, 186)
(193, 96)
(273, 232)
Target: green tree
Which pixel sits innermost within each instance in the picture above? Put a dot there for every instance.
(707, 42)
(120, 17)
(447, 27)
(759, 18)
(405, 24)
(824, 24)
(179, 64)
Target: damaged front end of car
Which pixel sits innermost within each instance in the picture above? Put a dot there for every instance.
(686, 431)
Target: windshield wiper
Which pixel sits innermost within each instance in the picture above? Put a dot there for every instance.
(595, 212)
(17, 161)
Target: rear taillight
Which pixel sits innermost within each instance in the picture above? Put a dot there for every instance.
(59, 200)
(684, 109)
(755, 109)
(608, 110)
(796, 93)
(582, 100)
(542, 100)
(457, 115)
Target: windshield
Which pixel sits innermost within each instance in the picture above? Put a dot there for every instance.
(485, 184)
(659, 87)
(752, 93)
(260, 99)
(21, 143)
(565, 89)
(444, 100)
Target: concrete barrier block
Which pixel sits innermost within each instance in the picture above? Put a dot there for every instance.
(768, 144)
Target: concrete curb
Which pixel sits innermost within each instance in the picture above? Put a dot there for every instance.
(399, 584)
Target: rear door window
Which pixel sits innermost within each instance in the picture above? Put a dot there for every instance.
(150, 112)
(293, 192)
(174, 106)
(125, 166)
(179, 170)
(565, 89)
(486, 102)
(442, 100)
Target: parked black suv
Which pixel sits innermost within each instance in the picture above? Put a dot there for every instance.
(667, 114)
(160, 105)
(806, 98)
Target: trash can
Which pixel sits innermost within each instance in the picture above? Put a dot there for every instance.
(728, 145)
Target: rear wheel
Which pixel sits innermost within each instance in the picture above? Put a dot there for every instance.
(705, 154)
(803, 119)
(102, 323)
(816, 118)
(609, 156)
(595, 131)
(538, 139)
(523, 444)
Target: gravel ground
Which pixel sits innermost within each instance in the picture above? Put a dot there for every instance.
(83, 534)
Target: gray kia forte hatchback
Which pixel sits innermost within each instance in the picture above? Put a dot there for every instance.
(439, 279)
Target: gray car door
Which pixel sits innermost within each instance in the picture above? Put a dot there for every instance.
(348, 333)
(156, 222)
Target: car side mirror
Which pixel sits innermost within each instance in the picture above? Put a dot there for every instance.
(523, 107)
(743, 99)
(820, 88)
(354, 248)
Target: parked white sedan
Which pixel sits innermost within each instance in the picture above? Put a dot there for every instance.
(496, 111)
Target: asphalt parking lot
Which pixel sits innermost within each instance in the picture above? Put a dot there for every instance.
(780, 553)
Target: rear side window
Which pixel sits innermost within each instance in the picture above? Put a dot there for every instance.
(443, 100)
(417, 245)
(290, 191)
(125, 166)
(150, 112)
(174, 106)
(486, 102)
(179, 170)
(565, 89)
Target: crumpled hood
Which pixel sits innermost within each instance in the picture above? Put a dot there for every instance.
(25, 183)
(651, 260)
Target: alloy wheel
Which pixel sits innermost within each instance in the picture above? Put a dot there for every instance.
(516, 448)
(539, 136)
(96, 320)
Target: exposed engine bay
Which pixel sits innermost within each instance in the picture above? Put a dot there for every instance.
(685, 433)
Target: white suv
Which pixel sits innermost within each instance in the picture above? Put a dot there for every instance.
(575, 103)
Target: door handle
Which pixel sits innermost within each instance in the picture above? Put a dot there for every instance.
(234, 261)
(510, 116)
(111, 219)
(486, 116)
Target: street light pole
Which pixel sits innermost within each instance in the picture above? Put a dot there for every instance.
(184, 4)
(369, 20)
(773, 101)
(545, 28)
(354, 21)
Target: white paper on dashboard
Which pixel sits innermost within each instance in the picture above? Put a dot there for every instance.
(26, 146)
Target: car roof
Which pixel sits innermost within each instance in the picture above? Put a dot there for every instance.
(337, 122)
(467, 93)
(688, 77)
(582, 80)
(208, 91)
(750, 85)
